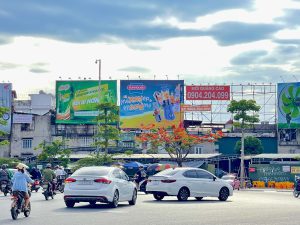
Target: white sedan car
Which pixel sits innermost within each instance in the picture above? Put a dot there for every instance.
(188, 182)
(99, 184)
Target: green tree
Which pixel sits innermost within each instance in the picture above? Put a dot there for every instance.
(54, 151)
(3, 110)
(252, 146)
(245, 115)
(107, 120)
(99, 160)
(9, 161)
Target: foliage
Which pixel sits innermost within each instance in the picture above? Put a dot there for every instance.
(241, 109)
(54, 151)
(176, 141)
(253, 146)
(3, 110)
(107, 131)
(9, 161)
(94, 160)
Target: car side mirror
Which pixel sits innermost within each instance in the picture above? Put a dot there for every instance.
(214, 178)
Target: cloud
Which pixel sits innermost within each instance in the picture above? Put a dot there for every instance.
(94, 20)
(287, 41)
(248, 57)
(7, 66)
(135, 69)
(38, 68)
(5, 40)
(291, 17)
(231, 33)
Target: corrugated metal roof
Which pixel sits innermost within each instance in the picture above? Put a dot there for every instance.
(276, 156)
(149, 156)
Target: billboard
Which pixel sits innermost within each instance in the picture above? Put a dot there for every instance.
(288, 97)
(76, 101)
(208, 92)
(6, 101)
(150, 102)
(198, 108)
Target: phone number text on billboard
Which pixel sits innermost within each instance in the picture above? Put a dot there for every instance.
(208, 93)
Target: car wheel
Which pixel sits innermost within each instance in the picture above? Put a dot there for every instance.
(134, 197)
(70, 204)
(158, 197)
(199, 198)
(183, 194)
(115, 202)
(223, 194)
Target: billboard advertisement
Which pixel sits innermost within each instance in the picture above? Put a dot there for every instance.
(150, 102)
(6, 101)
(196, 108)
(208, 92)
(288, 97)
(76, 101)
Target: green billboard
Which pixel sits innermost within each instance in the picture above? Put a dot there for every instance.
(76, 101)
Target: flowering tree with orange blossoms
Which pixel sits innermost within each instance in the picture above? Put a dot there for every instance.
(176, 141)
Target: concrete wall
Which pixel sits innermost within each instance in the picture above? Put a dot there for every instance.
(39, 131)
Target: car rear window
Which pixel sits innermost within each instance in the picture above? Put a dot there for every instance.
(168, 172)
(90, 171)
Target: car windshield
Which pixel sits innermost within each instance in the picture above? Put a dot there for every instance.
(167, 172)
(91, 171)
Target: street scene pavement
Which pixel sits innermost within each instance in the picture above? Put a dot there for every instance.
(268, 207)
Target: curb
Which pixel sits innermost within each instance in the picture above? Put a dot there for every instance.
(266, 190)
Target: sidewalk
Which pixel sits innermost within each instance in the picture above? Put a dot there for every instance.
(267, 189)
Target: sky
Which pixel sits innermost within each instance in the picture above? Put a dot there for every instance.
(199, 41)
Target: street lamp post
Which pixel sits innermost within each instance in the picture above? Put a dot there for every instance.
(99, 88)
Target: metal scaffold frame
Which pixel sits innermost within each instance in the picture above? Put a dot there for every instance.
(265, 96)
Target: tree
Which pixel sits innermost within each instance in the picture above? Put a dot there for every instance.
(241, 110)
(107, 131)
(54, 151)
(3, 110)
(252, 146)
(176, 141)
(100, 160)
(9, 161)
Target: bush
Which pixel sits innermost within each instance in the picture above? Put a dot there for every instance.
(12, 163)
(99, 160)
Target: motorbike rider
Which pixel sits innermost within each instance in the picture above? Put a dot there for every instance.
(35, 174)
(20, 182)
(140, 175)
(49, 175)
(5, 175)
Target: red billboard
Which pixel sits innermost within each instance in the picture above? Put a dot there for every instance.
(191, 108)
(208, 92)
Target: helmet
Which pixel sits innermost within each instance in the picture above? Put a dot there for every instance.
(21, 166)
(3, 167)
(56, 167)
(48, 165)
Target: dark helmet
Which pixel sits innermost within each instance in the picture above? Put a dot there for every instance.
(3, 167)
(48, 165)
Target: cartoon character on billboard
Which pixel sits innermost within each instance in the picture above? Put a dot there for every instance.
(156, 112)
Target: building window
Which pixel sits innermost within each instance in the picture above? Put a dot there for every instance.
(86, 141)
(27, 143)
(198, 150)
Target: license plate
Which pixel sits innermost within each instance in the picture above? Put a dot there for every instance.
(37, 186)
(45, 186)
(155, 182)
(85, 182)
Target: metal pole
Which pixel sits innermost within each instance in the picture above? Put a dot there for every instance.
(99, 88)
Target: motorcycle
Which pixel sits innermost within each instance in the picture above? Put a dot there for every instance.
(18, 205)
(47, 190)
(296, 191)
(60, 184)
(5, 188)
(36, 185)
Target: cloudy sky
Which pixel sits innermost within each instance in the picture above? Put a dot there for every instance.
(201, 41)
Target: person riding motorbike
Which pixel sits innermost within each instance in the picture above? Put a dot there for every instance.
(35, 174)
(49, 176)
(140, 175)
(20, 183)
(5, 175)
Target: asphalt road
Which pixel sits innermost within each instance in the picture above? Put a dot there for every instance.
(245, 207)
